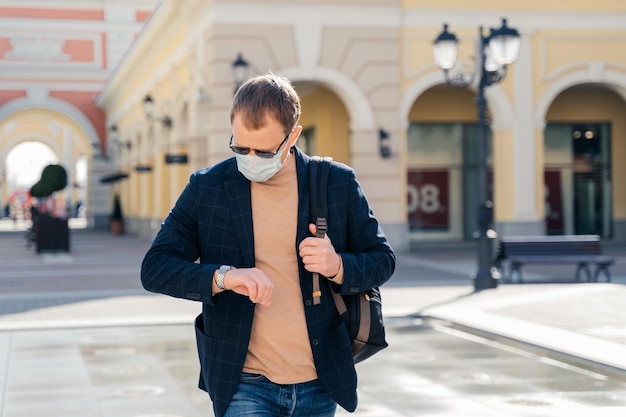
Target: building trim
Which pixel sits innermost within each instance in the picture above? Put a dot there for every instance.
(53, 104)
(546, 75)
(344, 16)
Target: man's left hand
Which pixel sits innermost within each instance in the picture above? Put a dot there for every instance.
(318, 255)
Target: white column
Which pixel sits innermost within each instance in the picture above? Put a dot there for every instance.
(70, 166)
(98, 204)
(524, 138)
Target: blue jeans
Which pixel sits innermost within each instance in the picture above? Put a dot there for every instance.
(257, 396)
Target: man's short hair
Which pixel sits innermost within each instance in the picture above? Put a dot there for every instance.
(266, 95)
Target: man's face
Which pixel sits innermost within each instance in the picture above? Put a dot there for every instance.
(268, 138)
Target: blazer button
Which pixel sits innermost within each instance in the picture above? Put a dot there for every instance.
(354, 289)
(307, 303)
(315, 342)
(194, 296)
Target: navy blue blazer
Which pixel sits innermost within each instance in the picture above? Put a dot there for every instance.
(211, 225)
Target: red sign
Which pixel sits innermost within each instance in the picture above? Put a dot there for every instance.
(428, 199)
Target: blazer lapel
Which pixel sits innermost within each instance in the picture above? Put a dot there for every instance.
(240, 204)
(304, 217)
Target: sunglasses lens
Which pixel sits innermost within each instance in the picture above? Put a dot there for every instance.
(264, 155)
(239, 150)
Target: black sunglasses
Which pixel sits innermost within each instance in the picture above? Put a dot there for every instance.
(261, 154)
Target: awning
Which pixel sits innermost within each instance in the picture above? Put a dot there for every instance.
(113, 177)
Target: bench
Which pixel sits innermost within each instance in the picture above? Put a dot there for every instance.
(581, 250)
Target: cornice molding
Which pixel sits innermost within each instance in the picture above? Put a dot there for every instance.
(525, 21)
(264, 13)
(83, 4)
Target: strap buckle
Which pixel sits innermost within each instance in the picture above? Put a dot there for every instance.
(321, 226)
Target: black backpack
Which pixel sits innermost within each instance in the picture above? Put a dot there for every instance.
(361, 313)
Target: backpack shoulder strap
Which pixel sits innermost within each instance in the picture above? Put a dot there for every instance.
(319, 169)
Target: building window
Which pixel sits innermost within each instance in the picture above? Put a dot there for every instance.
(442, 177)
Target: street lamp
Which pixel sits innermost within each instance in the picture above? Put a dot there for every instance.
(148, 111)
(495, 52)
(241, 71)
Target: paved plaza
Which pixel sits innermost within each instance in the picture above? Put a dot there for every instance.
(80, 337)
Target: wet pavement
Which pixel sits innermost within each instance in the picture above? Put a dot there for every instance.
(443, 372)
(80, 337)
(151, 371)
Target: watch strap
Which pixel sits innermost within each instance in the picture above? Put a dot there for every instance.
(219, 280)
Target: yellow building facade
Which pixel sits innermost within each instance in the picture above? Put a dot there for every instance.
(373, 97)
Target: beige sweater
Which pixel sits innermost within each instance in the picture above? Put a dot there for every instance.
(279, 345)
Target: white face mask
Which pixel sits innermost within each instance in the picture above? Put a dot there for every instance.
(259, 169)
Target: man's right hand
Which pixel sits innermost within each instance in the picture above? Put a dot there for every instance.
(251, 282)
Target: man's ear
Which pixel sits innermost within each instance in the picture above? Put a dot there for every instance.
(295, 134)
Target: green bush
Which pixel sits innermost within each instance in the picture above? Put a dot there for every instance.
(53, 178)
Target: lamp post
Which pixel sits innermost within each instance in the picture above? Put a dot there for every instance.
(495, 51)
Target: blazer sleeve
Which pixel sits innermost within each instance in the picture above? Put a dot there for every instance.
(170, 267)
(368, 259)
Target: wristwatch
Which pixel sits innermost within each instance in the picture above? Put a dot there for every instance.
(219, 281)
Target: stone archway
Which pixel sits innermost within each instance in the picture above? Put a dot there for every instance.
(436, 112)
(499, 105)
(595, 75)
(325, 122)
(62, 128)
(583, 174)
(357, 104)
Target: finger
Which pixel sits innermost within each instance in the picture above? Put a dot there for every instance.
(304, 249)
(252, 290)
(264, 298)
(313, 242)
(306, 245)
(263, 288)
(312, 267)
(312, 262)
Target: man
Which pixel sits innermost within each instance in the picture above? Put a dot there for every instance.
(266, 347)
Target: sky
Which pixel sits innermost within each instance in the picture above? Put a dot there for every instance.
(25, 162)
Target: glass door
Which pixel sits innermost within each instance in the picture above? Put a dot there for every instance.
(592, 181)
(577, 176)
